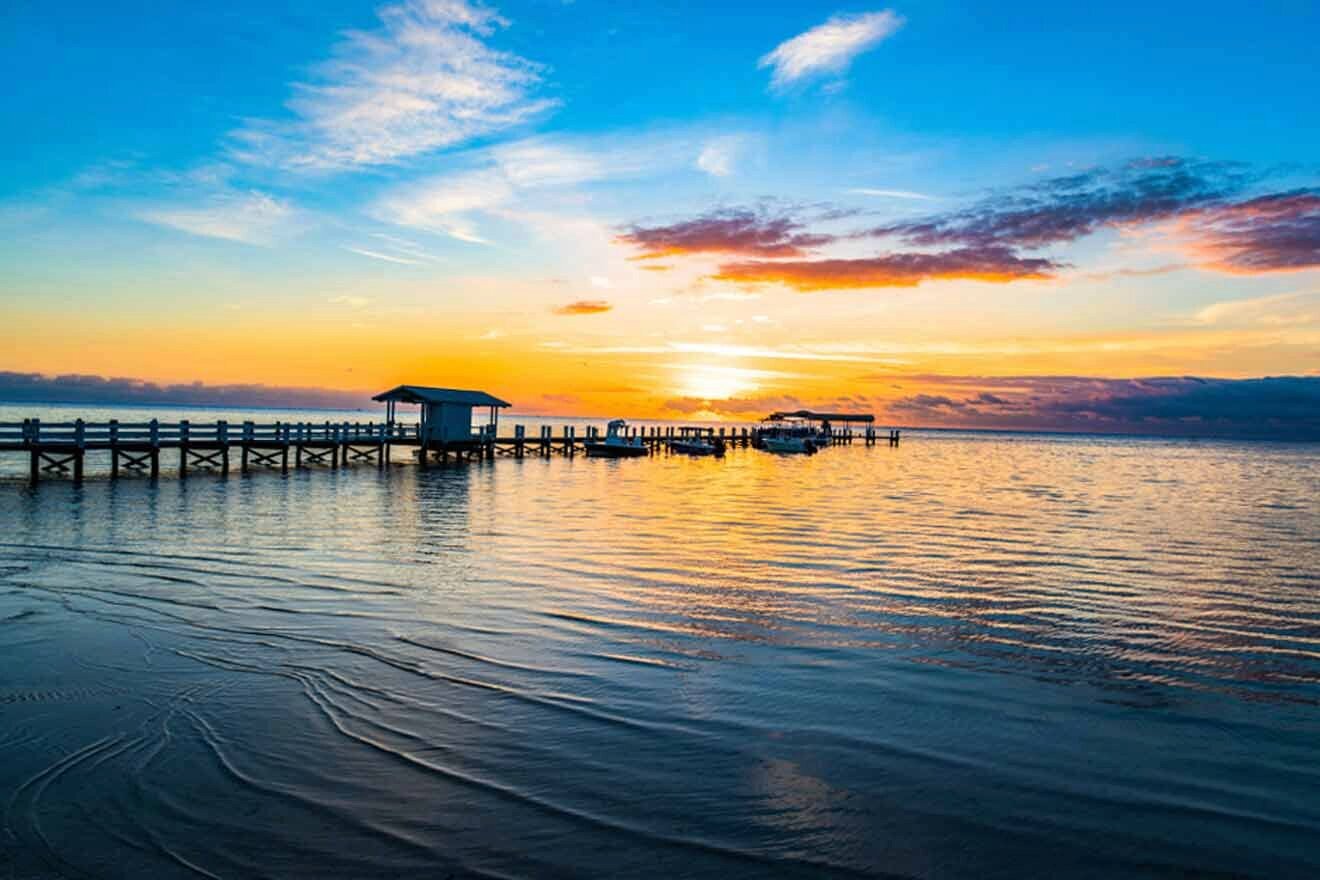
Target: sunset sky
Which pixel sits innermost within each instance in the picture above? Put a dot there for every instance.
(944, 213)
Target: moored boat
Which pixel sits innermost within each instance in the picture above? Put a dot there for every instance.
(617, 443)
(697, 445)
(788, 435)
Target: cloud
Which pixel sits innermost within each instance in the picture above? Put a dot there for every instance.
(737, 231)
(499, 177)
(584, 307)
(1285, 407)
(442, 204)
(88, 389)
(251, 218)
(717, 157)
(1284, 309)
(1271, 233)
(892, 194)
(993, 264)
(388, 258)
(1064, 209)
(828, 48)
(423, 80)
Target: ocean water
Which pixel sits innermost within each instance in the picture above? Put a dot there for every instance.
(970, 656)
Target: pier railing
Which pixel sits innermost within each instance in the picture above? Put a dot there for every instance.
(81, 434)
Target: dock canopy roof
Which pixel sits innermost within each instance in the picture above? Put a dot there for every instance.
(822, 417)
(424, 394)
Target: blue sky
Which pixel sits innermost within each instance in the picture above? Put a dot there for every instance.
(625, 183)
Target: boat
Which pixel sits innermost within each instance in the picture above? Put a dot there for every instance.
(789, 435)
(617, 443)
(695, 444)
(781, 443)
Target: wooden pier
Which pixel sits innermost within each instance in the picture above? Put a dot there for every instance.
(60, 449)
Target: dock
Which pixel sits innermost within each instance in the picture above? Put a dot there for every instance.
(59, 449)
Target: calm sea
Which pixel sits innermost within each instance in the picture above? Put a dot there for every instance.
(971, 656)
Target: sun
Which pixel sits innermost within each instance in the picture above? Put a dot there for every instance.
(707, 382)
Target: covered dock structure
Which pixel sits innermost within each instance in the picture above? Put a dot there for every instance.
(446, 423)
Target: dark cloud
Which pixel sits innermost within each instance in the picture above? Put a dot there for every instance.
(1272, 233)
(1063, 209)
(1205, 203)
(891, 270)
(77, 388)
(1286, 407)
(742, 232)
(584, 307)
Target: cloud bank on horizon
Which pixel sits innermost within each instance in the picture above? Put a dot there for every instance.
(437, 187)
(1284, 407)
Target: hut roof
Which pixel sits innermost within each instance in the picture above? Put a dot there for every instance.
(425, 394)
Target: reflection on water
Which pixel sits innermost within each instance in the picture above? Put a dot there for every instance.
(971, 656)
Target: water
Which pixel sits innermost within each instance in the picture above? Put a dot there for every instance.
(989, 656)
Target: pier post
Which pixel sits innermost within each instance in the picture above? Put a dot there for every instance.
(247, 443)
(80, 441)
(183, 448)
(114, 449)
(153, 438)
(34, 440)
(222, 434)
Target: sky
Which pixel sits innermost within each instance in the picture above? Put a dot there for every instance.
(954, 214)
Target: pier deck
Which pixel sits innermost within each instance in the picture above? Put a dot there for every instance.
(59, 449)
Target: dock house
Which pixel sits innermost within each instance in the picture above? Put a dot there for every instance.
(446, 417)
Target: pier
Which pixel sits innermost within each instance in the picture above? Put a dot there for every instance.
(59, 449)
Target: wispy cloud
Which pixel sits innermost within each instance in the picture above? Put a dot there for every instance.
(251, 218)
(1284, 309)
(719, 156)
(425, 79)
(828, 48)
(388, 258)
(892, 194)
(500, 177)
(584, 307)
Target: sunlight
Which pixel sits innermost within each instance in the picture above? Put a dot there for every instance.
(708, 382)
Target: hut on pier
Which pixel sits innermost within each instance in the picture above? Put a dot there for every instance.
(446, 416)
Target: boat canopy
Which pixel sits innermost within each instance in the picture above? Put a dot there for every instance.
(820, 416)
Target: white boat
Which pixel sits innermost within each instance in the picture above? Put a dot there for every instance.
(617, 443)
(779, 443)
(789, 435)
(697, 445)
